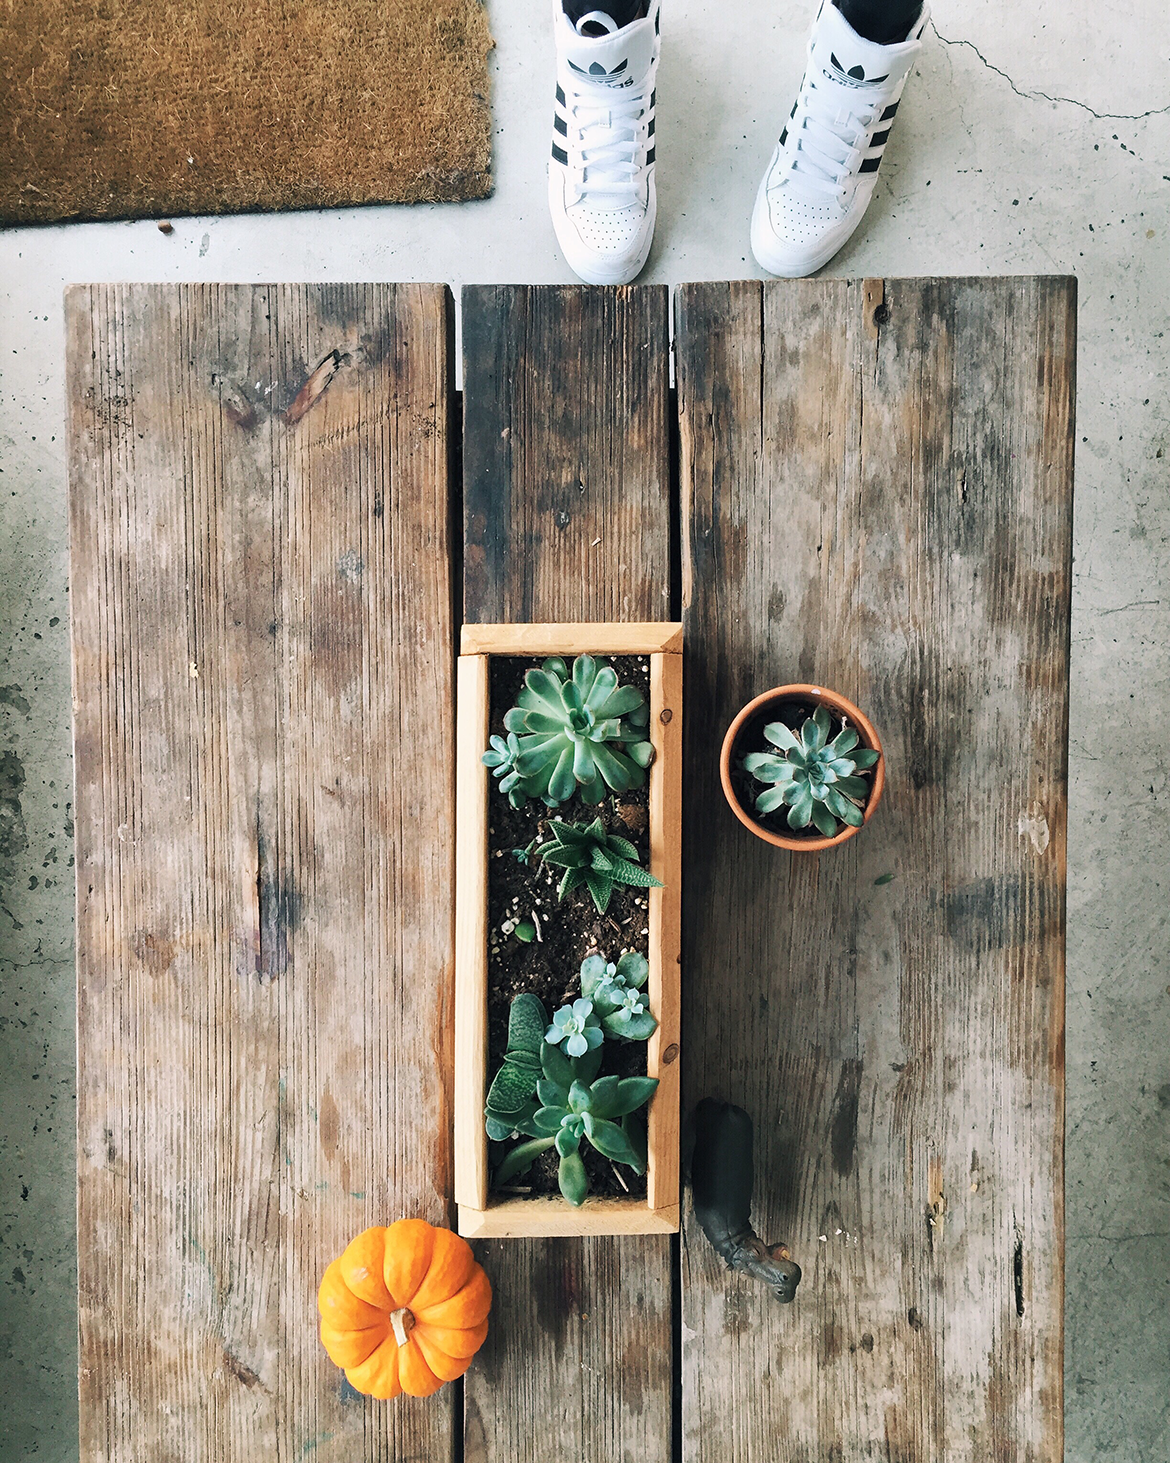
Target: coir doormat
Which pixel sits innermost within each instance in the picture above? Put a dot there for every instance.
(151, 108)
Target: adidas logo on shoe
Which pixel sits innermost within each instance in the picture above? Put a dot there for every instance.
(598, 73)
(855, 76)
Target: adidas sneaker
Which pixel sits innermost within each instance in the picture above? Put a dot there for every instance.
(601, 175)
(824, 170)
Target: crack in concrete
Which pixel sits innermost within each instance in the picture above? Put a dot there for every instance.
(1034, 96)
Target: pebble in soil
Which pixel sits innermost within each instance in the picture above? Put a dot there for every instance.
(570, 929)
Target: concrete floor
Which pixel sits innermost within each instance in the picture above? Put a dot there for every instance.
(1032, 139)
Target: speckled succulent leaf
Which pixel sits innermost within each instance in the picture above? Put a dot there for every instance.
(527, 1019)
(601, 889)
(622, 871)
(511, 1088)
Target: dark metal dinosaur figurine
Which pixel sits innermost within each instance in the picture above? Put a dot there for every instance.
(721, 1182)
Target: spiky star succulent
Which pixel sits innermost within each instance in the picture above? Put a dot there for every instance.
(595, 859)
(815, 778)
(570, 733)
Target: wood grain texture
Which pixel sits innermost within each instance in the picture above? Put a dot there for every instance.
(480, 1213)
(263, 669)
(665, 925)
(542, 1218)
(612, 639)
(472, 786)
(877, 497)
(566, 406)
(570, 399)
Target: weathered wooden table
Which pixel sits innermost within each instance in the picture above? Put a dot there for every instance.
(870, 487)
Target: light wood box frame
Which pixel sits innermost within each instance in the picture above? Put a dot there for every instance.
(479, 1214)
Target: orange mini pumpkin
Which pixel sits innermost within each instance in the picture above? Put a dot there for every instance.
(404, 1309)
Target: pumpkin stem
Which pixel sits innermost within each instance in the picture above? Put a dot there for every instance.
(403, 1322)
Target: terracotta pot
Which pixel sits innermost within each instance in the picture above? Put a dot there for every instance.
(812, 696)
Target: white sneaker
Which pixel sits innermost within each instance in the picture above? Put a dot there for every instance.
(601, 177)
(824, 170)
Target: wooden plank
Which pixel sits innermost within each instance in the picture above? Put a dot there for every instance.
(877, 487)
(566, 401)
(471, 925)
(665, 925)
(263, 685)
(615, 639)
(542, 1218)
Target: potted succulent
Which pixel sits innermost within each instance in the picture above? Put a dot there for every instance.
(802, 767)
(568, 861)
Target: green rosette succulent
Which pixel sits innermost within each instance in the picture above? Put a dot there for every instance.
(617, 990)
(815, 778)
(572, 732)
(600, 1111)
(593, 859)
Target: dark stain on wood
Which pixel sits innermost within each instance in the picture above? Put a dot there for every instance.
(242, 1373)
(843, 1133)
(318, 382)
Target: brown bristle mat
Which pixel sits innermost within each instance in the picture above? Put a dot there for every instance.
(133, 109)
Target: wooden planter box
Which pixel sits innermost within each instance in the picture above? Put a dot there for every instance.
(479, 1213)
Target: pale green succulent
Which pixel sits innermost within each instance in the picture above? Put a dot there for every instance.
(616, 989)
(815, 778)
(578, 733)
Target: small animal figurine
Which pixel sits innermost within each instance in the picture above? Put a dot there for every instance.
(721, 1182)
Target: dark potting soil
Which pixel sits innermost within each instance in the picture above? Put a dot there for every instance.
(752, 739)
(570, 929)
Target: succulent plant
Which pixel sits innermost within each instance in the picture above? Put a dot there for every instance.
(568, 733)
(577, 1027)
(815, 778)
(501, 758)
(617, 992)
(599, 1110)
(595, 859)
(511, 1101)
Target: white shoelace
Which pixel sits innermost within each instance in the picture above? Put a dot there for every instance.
(828, 136)
(609, 134)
